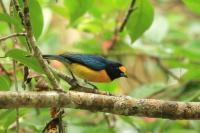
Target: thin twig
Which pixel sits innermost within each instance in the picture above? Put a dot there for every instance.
(14, 62)
(162, 67)
(115, 37)
(15, 74)
(19, 10)
(130, 10)
(21, 15)
(32, 41)
(4, 70)
(16, 88)
(11, 36)
(36, 50)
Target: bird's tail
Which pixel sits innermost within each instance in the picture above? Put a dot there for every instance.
(56, 57)
(51, 57)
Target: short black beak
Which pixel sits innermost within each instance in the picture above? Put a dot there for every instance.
(123, 75)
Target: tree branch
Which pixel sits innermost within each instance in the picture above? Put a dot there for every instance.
(162, 67)
(130, 10)
(19, 11)
(31, 40)
(117, 30)
(94, 102)
(12, 35)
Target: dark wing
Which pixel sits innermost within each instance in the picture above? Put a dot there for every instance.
(91, 61)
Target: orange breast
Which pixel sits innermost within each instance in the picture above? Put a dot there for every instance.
(89, 74)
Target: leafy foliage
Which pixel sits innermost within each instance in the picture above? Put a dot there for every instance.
(81, 5)
(10, 20)
(141, 19)
(159, 30)
(36, 17)
(5, 82)
(24, 58)
(193, 5)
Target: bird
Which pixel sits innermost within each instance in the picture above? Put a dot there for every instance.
(92, 68)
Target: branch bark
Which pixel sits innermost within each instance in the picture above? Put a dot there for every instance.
(121, 105)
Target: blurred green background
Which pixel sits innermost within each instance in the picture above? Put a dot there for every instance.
(160, 46)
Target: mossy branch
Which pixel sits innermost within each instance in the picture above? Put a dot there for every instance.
(121, 105)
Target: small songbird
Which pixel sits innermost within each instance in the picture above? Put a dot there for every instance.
(91, 68)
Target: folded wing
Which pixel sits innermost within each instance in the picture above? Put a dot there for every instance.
(92, 61)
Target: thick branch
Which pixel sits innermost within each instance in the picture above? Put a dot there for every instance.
(94, 102)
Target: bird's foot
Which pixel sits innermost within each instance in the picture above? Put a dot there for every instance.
(74, 82)
(94, 86)
(59, 90)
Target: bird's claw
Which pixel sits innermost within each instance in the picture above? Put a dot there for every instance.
(94, 86)
(59, 90)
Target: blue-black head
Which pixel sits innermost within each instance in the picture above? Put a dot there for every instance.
(115, 70)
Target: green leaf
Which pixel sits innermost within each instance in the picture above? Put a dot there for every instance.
(140, 19)
(77, 7)
(8, 118)
(5, 83)
(193, 5)
(147, 90)
(21, 56)
(10, 20)
(36, 17)
(191, 74)
(14, 20)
